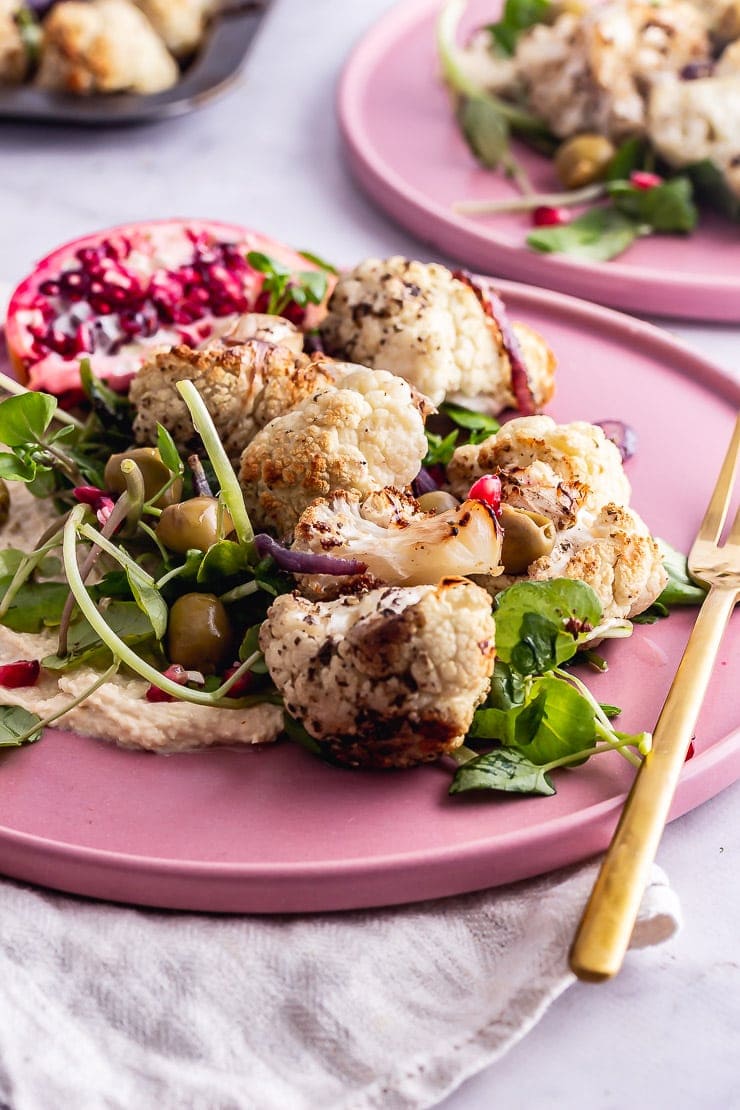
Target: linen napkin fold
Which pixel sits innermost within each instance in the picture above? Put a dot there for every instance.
(103, 1006)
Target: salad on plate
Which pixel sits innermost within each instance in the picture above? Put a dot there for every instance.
(248, 496)
(636, 104)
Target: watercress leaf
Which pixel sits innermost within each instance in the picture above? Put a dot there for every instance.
(10, 559)
(630, 156)
(16, 722)
(470, 419)
(223, 560)
(249, 645)
(85, 646)
(102, 397)
(515, 727)
(566, 724)
(680, 589)
(485, 130)
(17, 468)
(45, 482)
(503, 769)
(318, 261)
(610, 710)
(439, 450)
(314, 284)
(25, 418)
(599, 234)
(35, 605)
(668, 207)
(712, 187)
(541, 624)
(298, 296)
(507, 687)
(168, 452)
(518, 16)
(266, 264)
(295, 731)
(113, 584)
(150, 601)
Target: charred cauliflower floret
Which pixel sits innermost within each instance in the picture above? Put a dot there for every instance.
(180, 23)
(364, 434)
(422, 322)
(560, 470)
(590, 72)
(103, 46)
(13, 53)
(693, 120)
(244, 387)
(615, 555)
(387, 679)
(418, 548)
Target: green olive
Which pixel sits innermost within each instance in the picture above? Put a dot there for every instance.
(153, 471)
(527, 536)
(567, 7)
(4, 503)
(583, 160)
(437, 501)
(199, 634)
(192, 524)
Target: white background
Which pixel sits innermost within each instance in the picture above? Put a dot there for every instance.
(665, 1034)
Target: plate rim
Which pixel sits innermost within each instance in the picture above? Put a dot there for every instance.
(287, 887)
(412, 209)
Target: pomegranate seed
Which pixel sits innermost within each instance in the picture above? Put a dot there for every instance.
(50, 288)
(548, 216)
(242, 685)
(642, 179)
(24, 672)
(488, 490)
(690, 752)
(88, 495)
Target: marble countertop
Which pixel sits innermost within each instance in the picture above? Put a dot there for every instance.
(267, 154)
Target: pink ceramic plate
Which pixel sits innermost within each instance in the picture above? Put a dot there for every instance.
(276, 830)
(406, 152)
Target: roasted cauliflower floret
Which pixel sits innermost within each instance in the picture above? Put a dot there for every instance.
(422, 322)
(590, 72)
(416, 549)
(13, 53)
(560, 470)
(387, 679)
(364, 434)
(615, 555)
(103, 46)
(181, 23)
(244, 387)
(693, 120)
(260, 325)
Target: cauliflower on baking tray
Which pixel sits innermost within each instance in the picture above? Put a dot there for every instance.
(387, 679)
(365, 433)
(590, 72)
(244, 387)
(412, 549)
(614, 554)
(103, 46)
(181, 23)
(560, 470)
(422, 322)
(13, 54)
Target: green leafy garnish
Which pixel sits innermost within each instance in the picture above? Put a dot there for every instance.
(25, 418)
(502, 769)
(679, 590)
(711, 186)
(284, 287)
(597, 235)
(479, 424)
(539, 625)
(318, 261)
(440, 449)
(668, 207)
(35, 605)
(518, 16)
(630, 156)
(18, 726)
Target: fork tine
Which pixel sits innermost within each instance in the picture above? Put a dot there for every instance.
(733, 540)
(714, 518)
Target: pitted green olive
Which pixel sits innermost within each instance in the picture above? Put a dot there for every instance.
(199, 634)
(583, 160)
(192, 524)
(437, 501)
(4, 503)
(527, 536)
(153, 471)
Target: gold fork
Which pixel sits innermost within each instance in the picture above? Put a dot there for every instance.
(608, 919)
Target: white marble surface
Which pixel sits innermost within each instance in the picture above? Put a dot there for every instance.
(665, 1033)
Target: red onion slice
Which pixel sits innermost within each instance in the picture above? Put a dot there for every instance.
(622, 436)
(493, 306)
(424, 483)
(306, 562)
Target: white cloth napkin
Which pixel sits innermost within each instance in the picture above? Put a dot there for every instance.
(109, 1007)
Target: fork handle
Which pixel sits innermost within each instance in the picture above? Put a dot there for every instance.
(608, 919)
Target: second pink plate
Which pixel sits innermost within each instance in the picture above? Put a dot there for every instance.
(276, 830)
(406, 153)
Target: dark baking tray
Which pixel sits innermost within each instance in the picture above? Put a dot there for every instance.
(214, 67)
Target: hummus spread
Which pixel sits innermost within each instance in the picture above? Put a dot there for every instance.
(118, 710)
